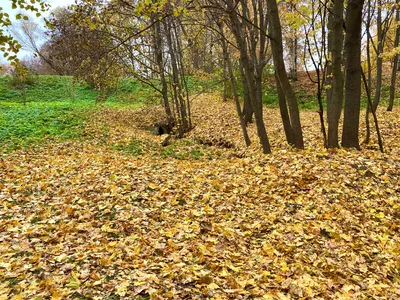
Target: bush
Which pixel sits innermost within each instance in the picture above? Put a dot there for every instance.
(21, 77)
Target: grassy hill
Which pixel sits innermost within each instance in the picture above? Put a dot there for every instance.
(58, 108)
(114, 215)
(55, 107)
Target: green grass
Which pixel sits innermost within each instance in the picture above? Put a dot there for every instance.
(56, 108)
(305, 102)
(183, 151)
(51, 88)
(22, 126)
(135, 147)
(47, 89)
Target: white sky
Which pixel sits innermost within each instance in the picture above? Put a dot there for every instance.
(6, 5)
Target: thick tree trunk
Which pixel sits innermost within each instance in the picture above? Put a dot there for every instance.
(236, 28)
(277, 53)
(335, 93)
(395, 63)
(351, 121)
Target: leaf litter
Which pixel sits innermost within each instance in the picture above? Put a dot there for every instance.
(80, 219)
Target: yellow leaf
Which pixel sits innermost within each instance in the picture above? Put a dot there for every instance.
(348, 287)
(224, 273)
(208, 210)
(74, 282)
(56, 295)
(19, 296)
(61, 257)
(380, 215)
(268, 296)
(153, 186)
(267, 249)
(284, 266)
(169, 294)
(213, 286)
(266, 274)
(122, 288)
(169, 233)
(257, 169)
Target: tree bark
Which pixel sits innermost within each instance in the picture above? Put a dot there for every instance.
(335, 93)
(182, 120)
(351, 121)
(284, 113)
(395, 63)
(247, 107)
(293, 48)
(379, 60)
(237, 30)
(160, 63)
(228, 63)
(277, 53)
(369, 80)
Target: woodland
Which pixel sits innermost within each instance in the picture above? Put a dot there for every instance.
(200, 149)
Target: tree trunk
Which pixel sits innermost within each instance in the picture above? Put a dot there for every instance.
(284, 113)
(351, 121)
(228, 63)
(335, 93)
(225, 79)
(160, 63)
(379, 60)
(293, 57)
(182, 73)
(247, 107)
(277, 53)
(369, 80)
(236, 27)
(182, 120)
(395, 63)
(196, 56)
(373, 112)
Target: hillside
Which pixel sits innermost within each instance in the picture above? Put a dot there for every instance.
(110, 214)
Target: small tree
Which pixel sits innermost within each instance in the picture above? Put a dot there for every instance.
(20, 78)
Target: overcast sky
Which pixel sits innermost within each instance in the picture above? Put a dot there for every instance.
(6, 5)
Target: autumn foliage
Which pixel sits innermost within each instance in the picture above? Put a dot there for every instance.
(115, 215)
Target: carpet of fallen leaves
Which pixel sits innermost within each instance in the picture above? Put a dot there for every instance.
(82, 220)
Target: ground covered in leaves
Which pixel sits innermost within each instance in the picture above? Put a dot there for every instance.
(116, 216)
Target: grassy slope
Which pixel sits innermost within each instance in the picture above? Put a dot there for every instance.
(58, 108)
(83, 220)
(55, 108)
